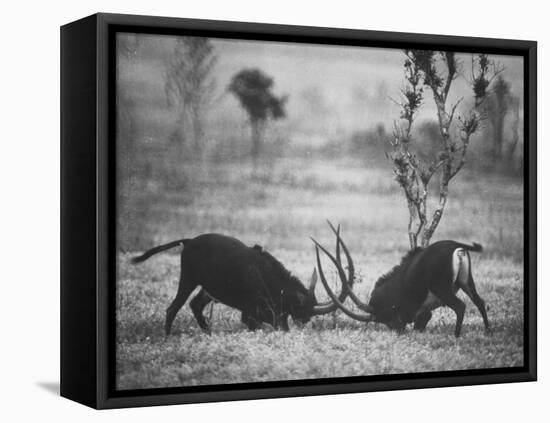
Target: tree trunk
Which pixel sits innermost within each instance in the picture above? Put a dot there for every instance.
(412, 219)
(257, 139)
(444, 124)
(515, 134)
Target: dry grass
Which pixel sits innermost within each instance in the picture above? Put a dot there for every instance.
(280, 209)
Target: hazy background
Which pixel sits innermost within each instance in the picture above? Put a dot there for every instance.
(325, 160)
(340, 108)
(334, 93)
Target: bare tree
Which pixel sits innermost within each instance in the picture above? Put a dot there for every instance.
(253, 89)
(189, 87)
(434, 71)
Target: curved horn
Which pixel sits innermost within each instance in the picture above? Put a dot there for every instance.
(330, 306)
(313, 282)
(351, 268)
(323, 308)
(337, 302)
(347, 288)
(349, 282)
(337, 233)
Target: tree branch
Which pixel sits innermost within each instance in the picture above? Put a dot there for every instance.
(451, 72)
(453, 109)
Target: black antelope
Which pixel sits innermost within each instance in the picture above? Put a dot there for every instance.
(246, 278)
(426, 279)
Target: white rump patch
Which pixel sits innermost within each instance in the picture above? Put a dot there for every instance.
(461, 269)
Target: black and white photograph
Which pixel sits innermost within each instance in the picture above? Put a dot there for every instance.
(248, 211)
(291, 211)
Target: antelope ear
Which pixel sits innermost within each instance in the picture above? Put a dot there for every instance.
(313, 282)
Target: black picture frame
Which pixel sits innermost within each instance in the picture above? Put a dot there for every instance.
(88, 206)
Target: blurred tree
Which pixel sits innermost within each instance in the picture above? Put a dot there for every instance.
(516, 131)
(436, 71)
(497, 105)
(189, 87)
(129, 50)
(128, 46)
(253, 89)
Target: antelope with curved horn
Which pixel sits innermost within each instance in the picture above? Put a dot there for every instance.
(246, 278)
(426, 279)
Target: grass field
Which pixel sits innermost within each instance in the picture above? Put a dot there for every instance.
(280, 209)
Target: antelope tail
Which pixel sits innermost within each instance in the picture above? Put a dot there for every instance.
(158, 249)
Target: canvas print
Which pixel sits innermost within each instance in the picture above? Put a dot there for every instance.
(290, 211)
